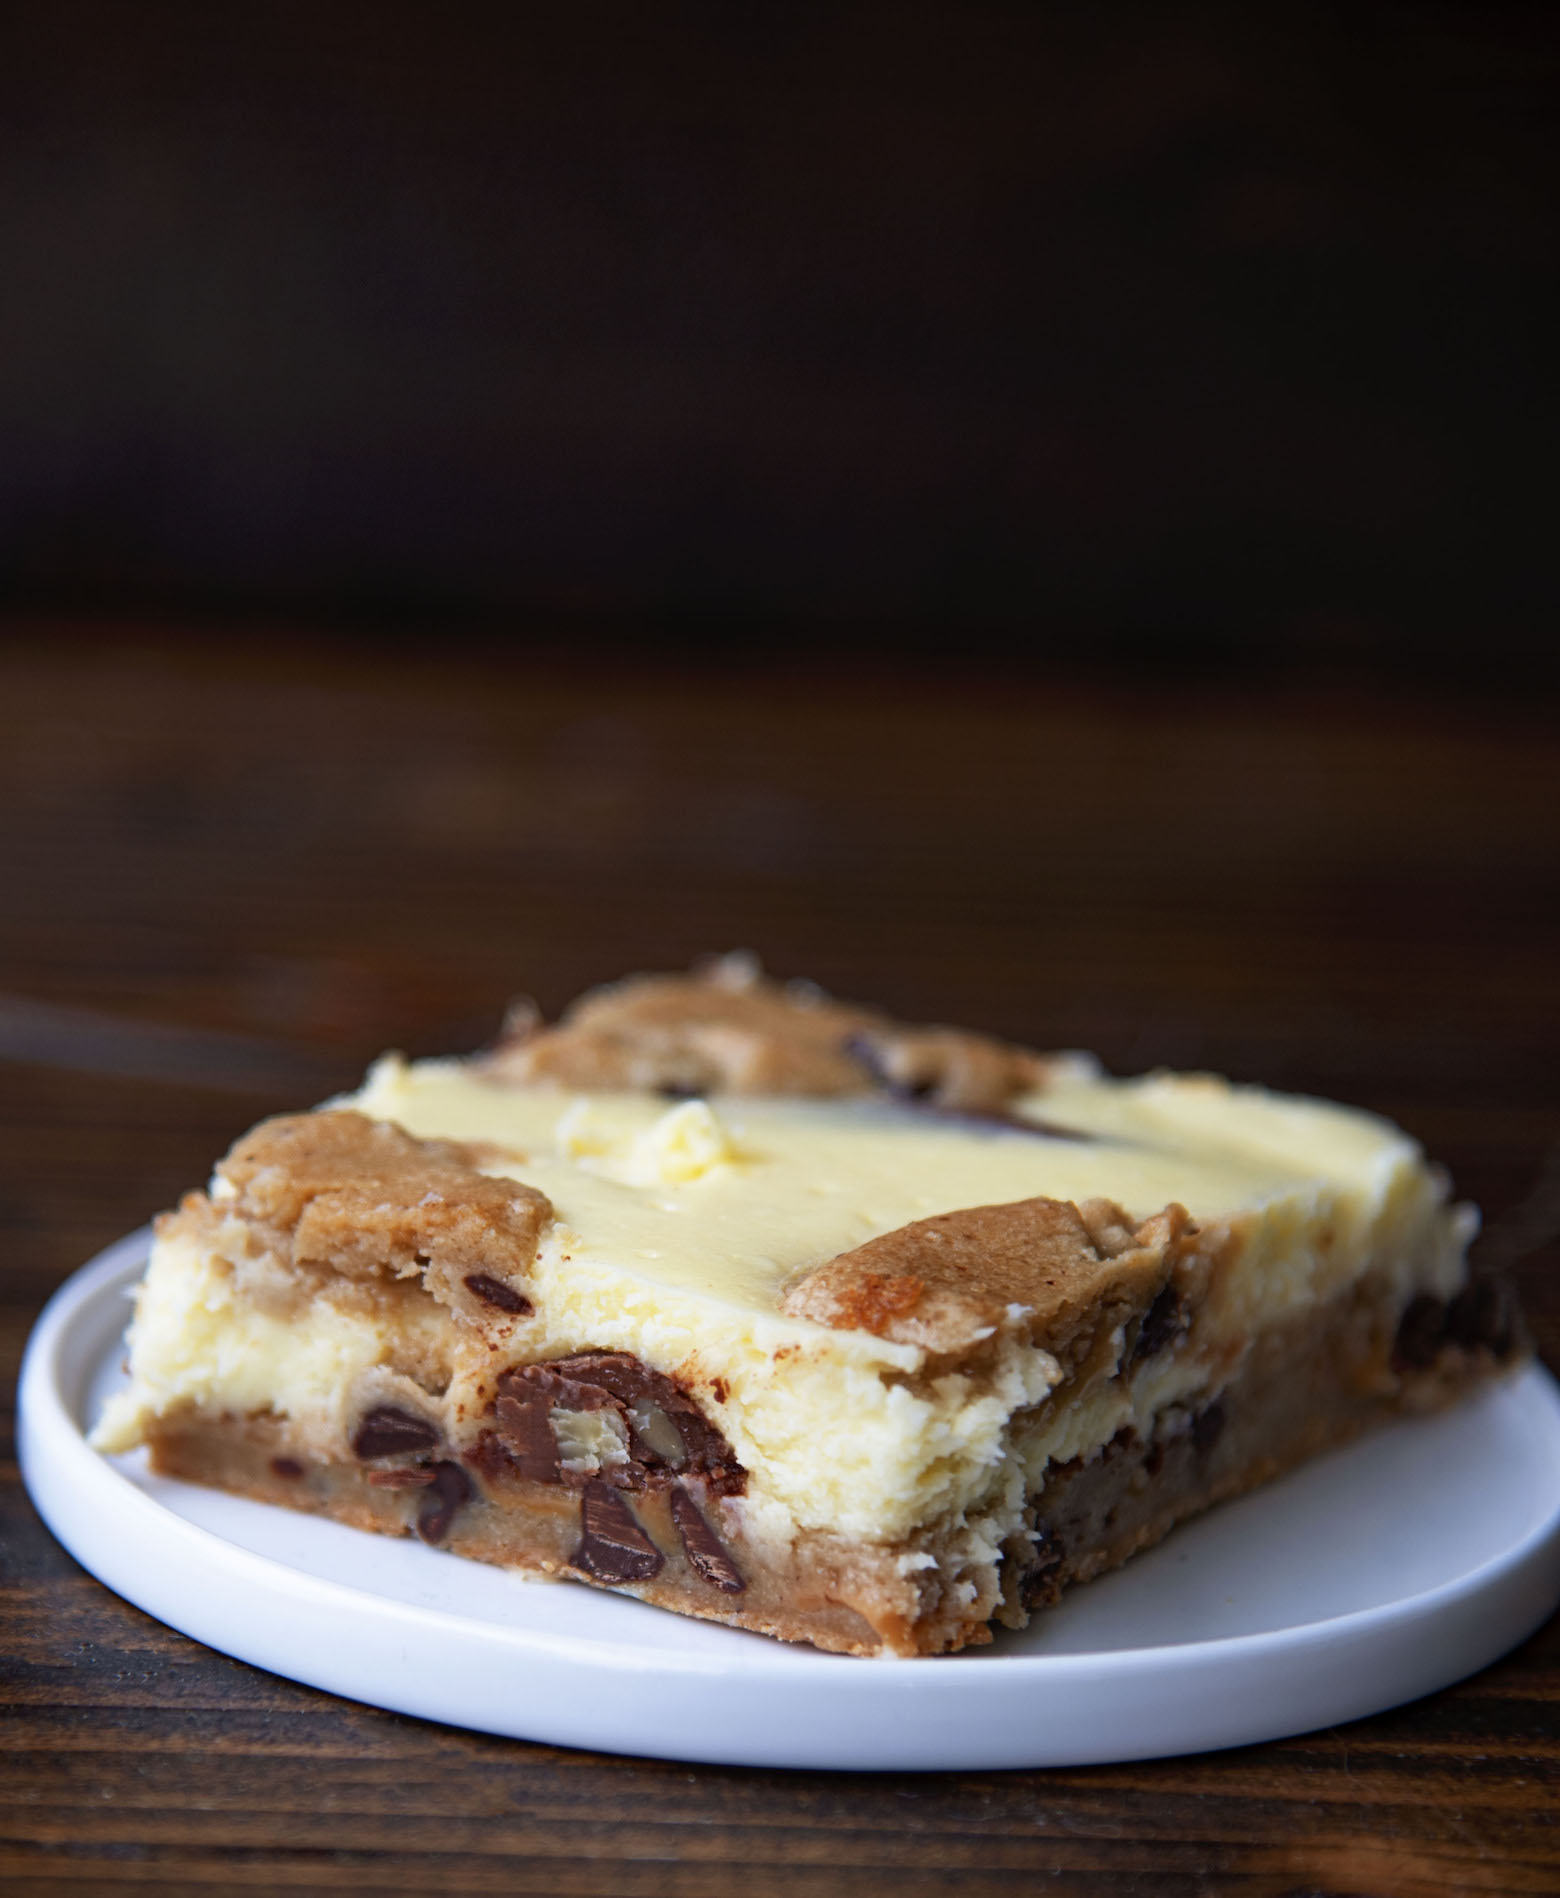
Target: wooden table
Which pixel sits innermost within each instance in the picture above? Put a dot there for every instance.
(234, 868)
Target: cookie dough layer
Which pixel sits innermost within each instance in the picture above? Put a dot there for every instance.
(863, 1363)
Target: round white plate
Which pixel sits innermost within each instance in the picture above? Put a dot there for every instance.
(1375, 1574)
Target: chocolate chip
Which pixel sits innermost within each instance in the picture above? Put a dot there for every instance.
(555, 1381)
(613, 1547)
(1483, 1317)
(617, 1375)
(1041, 1583)
(666, 1431)
(495, 1292)
(401, 1479)
(450, 1488)
(522, 1412)
(1154, 1462)
(386, 1431)
(286, 1466)
(1207, 1427)
(1420, 1334)
(703, 1548)
(1161, 1324)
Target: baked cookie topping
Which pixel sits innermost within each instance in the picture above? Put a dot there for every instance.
(728, 1031)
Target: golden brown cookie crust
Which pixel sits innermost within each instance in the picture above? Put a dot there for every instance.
(338, 1192)
(1052, 1266)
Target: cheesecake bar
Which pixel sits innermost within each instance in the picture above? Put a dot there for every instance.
(773, 1310)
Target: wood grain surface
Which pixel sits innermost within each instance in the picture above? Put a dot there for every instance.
(234, 869)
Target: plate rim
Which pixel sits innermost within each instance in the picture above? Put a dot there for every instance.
(48, 1425)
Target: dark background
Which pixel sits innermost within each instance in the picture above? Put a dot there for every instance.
(1210, 336)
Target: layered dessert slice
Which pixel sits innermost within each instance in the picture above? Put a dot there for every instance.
(771, 1310)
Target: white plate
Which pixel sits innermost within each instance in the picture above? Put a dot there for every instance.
(1373, 1575)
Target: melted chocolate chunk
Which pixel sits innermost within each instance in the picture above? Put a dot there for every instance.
(496, 1293)
(708, 1453)
(1420, 1334)
(667, 1433)
(522, 1413)
(703, 1548)
(1162, 1323)
(1482, 1317)
(613, 1547)
(286, 1466)
(1207, 1427)
(450, 1487)
(386, 1431)
(1041, 1584)
(524, 1408)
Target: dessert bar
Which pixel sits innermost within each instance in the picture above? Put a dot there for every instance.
(773, 1310)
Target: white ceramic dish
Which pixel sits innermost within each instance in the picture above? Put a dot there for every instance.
(1379, 1573)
